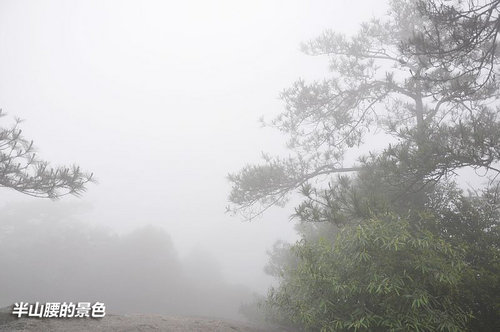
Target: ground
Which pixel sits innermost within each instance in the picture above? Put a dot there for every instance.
(126, 323)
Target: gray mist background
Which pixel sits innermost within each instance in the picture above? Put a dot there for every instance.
(160, 99)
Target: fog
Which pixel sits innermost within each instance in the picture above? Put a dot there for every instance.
(50, 255)
(160, 100)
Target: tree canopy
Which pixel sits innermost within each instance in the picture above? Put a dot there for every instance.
(22, 170)
(462, 35)
(434, 121)
(390, 242)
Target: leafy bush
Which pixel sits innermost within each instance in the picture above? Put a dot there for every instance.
(381, 275)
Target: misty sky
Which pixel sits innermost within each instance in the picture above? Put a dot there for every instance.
(161, 99)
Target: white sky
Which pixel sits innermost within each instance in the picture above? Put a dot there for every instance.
(161, 99)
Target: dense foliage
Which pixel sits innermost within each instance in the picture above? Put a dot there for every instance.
(381, 275)
(372, 273)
